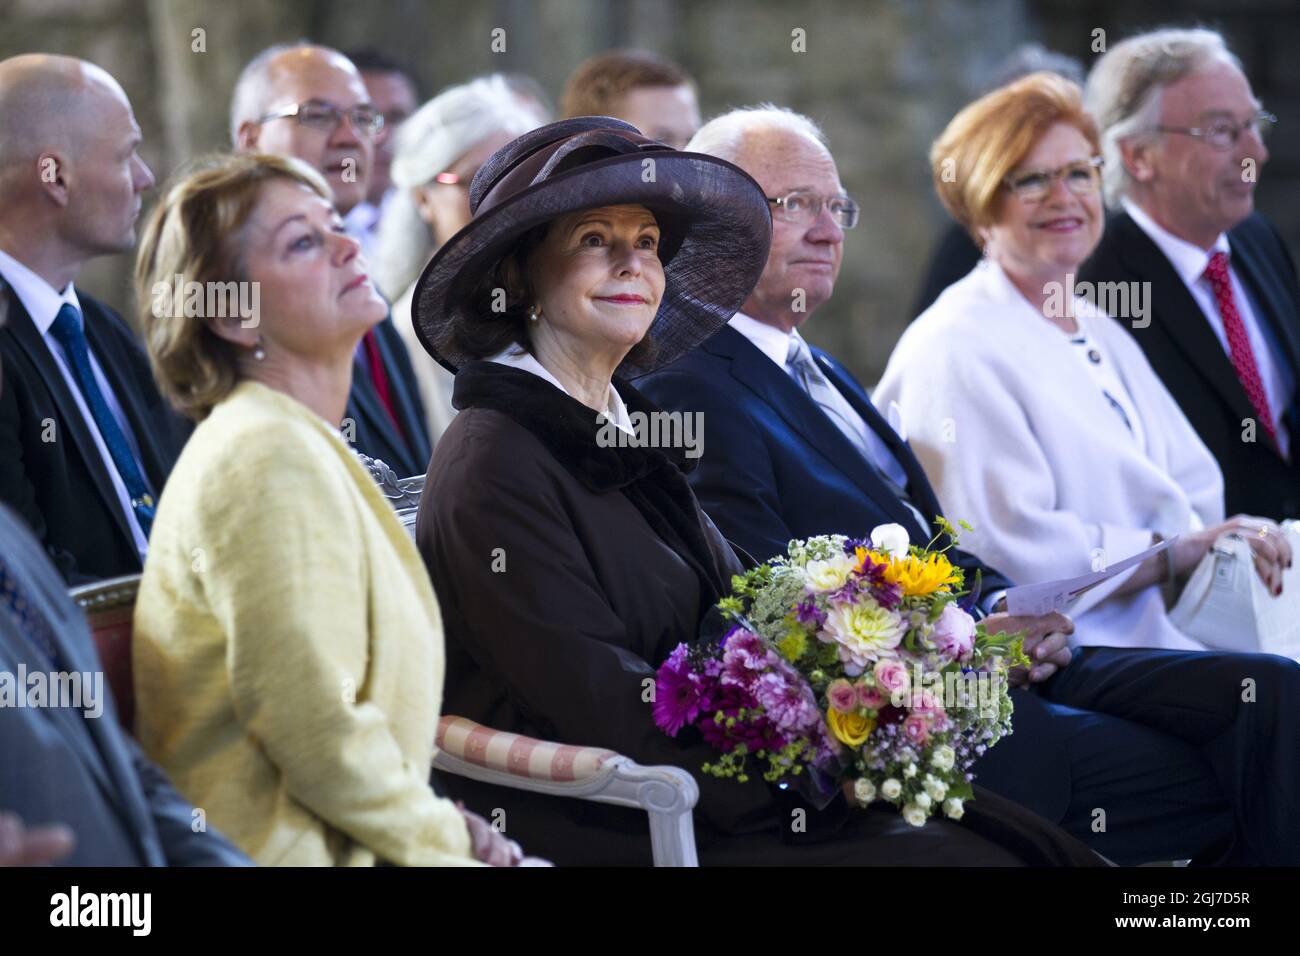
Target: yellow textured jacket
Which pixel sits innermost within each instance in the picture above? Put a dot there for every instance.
(288, 647)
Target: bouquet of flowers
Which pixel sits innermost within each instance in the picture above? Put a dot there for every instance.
(848, 662)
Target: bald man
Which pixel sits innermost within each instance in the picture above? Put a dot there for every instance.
(310, 102)
(86, 441)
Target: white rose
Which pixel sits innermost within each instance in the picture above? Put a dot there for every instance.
(828, 575)
(943, 757)
(864, 790)
(891, 789)
(935, 787)
(909, 771)
(922, 800)
(891, 539)
(914, 815)
(952, 808)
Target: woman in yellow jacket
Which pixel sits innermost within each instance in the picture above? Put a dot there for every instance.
(288, 650)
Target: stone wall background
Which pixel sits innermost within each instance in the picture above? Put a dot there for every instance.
(881, 76)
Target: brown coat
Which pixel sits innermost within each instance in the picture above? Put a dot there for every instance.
(561, 595)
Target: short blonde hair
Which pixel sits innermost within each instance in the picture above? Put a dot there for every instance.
(992, 135)
(194, 233)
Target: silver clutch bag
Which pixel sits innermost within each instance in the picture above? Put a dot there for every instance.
(1226, 606)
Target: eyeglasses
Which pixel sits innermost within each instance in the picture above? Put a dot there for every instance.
(801, 208)
(1224, 133)
(323, 116)
(1080, 178)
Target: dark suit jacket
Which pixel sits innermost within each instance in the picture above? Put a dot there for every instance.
(58, 765)
(407, 452)
(774, 467)
(1184, 351)
(62, 487)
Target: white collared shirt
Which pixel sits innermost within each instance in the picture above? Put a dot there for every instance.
(516, 357)
(1189, 262)
(42, 303)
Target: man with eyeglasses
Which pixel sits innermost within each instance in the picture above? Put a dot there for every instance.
(1183, 141)
(310, 102)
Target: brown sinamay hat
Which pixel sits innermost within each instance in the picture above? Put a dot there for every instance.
(714, 221)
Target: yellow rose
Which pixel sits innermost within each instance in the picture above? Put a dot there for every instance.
(852, 728)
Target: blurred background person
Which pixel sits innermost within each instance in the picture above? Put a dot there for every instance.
(394, 92)
(1040, 422)
(955, 254)
(1183, 136)
(437, 154)
(309, 102)
(86, 441)
(652, 93)
(288, 654)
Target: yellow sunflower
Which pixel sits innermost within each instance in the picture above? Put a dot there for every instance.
(916, 576)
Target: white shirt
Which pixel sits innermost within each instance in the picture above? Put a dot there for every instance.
(1190, 262)
(42, 303)
(515, 357)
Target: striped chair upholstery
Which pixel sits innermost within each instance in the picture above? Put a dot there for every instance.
(518, 755)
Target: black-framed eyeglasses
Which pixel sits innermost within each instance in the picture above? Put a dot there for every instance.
(1224, 134)
(801, 207)
(327, 117)
(1081, 178)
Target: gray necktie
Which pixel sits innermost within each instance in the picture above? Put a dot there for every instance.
(869, 445)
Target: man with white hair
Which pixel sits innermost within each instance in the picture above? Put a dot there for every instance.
(1183, 136)
(310, 102)
(86, 441)
(794, 447)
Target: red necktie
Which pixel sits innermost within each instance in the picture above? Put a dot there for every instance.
(379, 376)
(1243, 359)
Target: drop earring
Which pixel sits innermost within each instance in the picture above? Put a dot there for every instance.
(259, 353)
(534, 314)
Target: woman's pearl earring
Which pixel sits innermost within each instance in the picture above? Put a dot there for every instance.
(259, 353)
(534, 314)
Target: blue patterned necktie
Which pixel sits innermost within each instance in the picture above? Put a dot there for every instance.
(69, 333)
(30, 623)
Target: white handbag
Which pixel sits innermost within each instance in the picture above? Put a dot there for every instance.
(1226, 606)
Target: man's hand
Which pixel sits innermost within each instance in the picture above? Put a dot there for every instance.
(38, 846)
(1045, 643)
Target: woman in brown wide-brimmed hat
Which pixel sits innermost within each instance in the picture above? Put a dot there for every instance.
(570, 558)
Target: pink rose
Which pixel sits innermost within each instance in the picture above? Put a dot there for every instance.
(891, 676)
(917, 729)
(927, 704)
(954, 633)
(842, 695)
(869, 697)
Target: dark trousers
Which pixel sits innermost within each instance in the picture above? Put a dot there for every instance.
(1173, 740)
